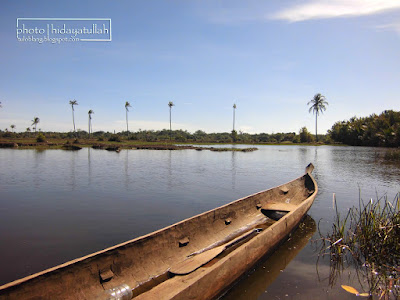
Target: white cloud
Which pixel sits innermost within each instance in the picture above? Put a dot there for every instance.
(334, 9)
(391, 26)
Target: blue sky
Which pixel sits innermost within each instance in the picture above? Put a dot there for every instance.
(268, 57)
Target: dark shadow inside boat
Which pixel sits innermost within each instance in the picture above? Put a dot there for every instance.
(274, 214)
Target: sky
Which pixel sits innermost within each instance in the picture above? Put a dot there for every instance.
(268, 57)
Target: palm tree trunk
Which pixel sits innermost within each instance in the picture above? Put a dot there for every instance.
(316, 134)
(170, 124)
(233, 119)
(73, 118)
(127, 130)
(89, 127)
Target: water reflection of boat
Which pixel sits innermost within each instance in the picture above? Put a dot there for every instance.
(196, 258)
(269, 269)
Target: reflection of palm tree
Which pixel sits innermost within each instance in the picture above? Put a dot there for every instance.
(90, 112)
(35, 121)
(127, 104)
(73, 102)
(170, 104)
(317, 105)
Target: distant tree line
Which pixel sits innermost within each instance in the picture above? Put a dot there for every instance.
(376, 130)
(177, 136)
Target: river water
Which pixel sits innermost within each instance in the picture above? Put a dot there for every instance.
(58, 205)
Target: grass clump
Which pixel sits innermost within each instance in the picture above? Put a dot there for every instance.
(367, 238)
(393, 155)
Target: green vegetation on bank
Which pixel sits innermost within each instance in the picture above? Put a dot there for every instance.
(376, 130)
(174, 136)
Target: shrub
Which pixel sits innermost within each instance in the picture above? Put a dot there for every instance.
(7, 134)
(41, 138)
(114, 138)
(305, 136)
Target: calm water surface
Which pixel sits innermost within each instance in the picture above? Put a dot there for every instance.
(58, 205)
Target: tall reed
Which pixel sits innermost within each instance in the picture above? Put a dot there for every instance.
(367, 238)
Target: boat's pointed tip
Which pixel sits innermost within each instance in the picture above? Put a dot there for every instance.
(309, 168)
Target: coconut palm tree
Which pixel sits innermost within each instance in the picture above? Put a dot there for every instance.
(90, 112)
(12, 127)
(72, 103)
(170, 104)
(35, 121)
(127, 104)
(317, 105)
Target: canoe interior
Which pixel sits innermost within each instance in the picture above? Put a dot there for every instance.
(143, 263)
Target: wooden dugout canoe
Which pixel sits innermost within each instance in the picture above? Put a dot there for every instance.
(197, 258)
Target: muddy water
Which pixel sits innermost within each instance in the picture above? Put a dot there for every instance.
(57, 205)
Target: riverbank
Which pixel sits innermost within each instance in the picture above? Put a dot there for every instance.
(71, 144)
(56, 143)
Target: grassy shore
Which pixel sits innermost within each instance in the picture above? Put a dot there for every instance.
(76, 144)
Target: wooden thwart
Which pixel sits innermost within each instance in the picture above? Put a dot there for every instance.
(279, 206)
